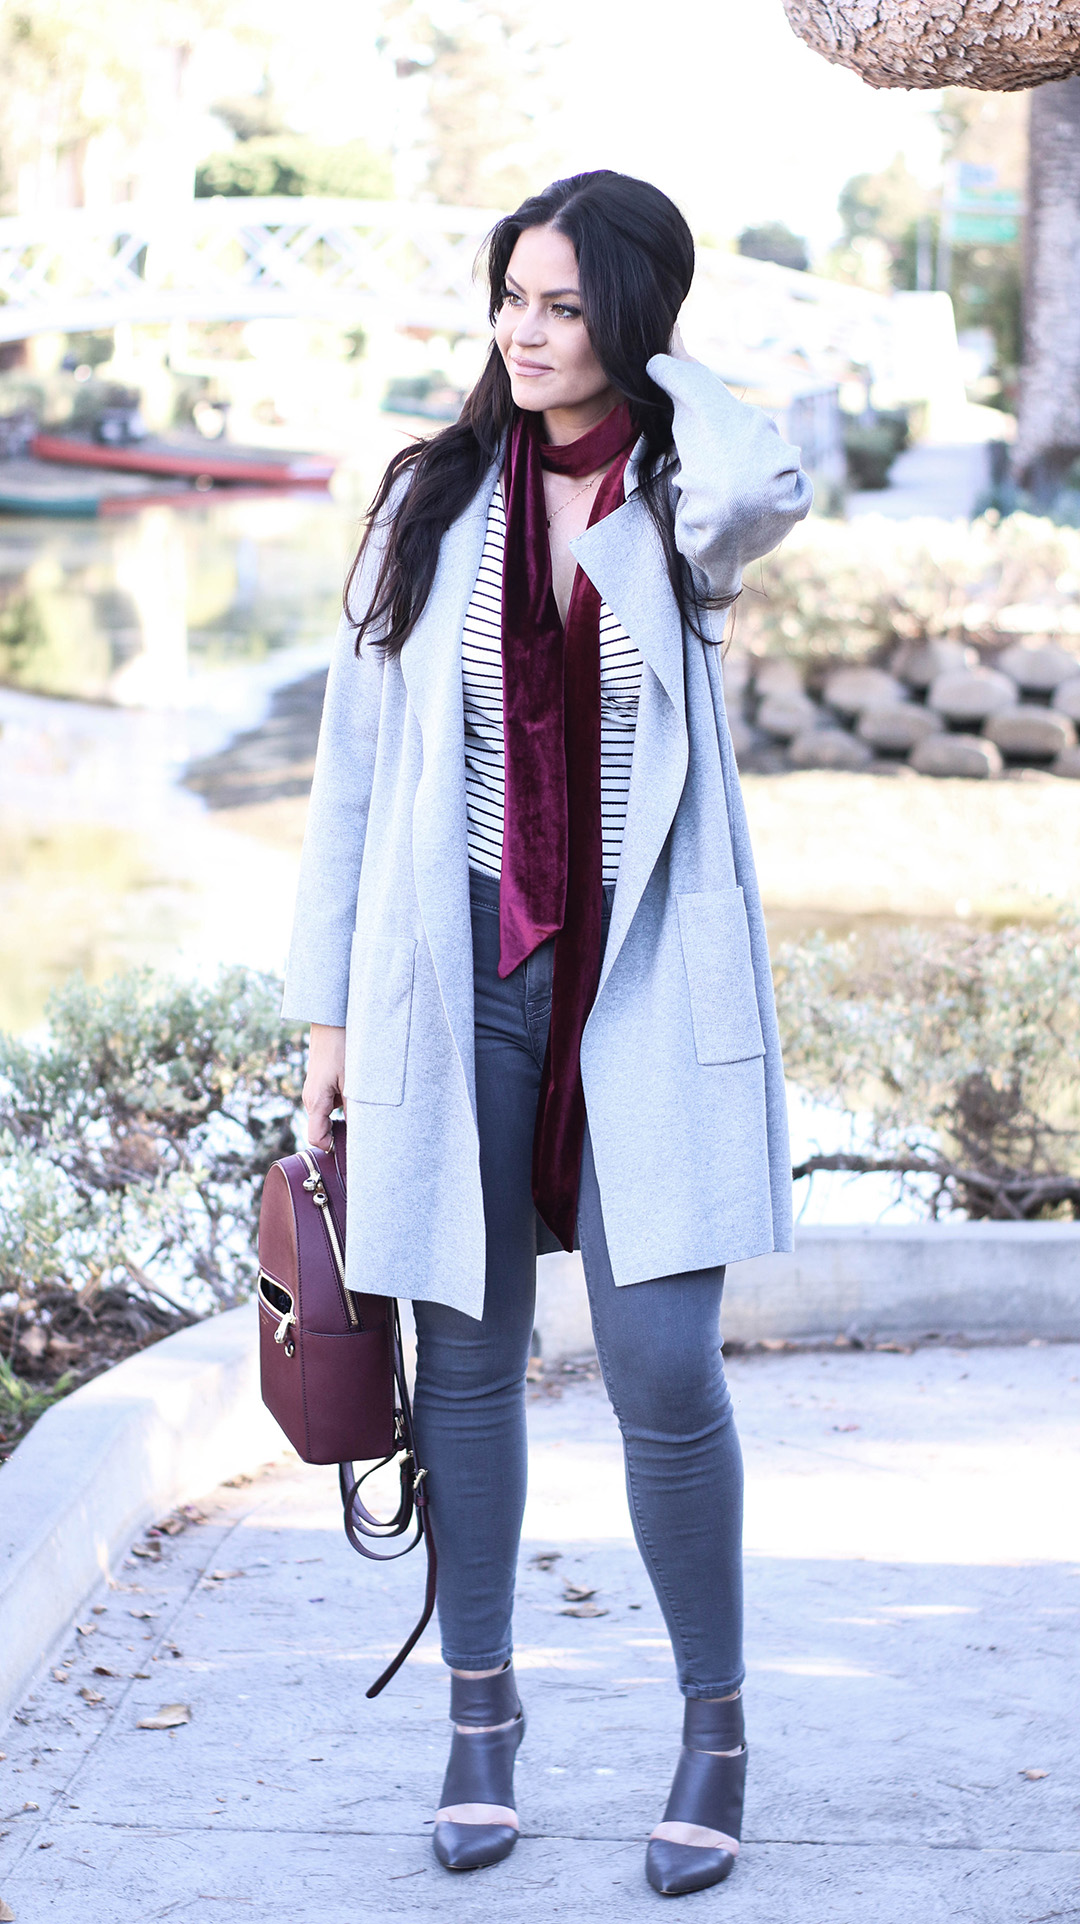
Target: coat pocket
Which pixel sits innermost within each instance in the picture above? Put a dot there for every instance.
(377, 1025)
(720, 974)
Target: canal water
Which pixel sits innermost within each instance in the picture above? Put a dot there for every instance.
(131, 648)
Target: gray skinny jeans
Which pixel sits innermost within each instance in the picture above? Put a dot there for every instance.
(658, 1345)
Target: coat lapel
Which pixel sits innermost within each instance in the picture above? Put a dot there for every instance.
(431, 669)
(623, 558)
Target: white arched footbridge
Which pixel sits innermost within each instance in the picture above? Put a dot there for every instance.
(242, 259)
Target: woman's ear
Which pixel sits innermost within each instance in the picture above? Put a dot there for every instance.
(677, 347)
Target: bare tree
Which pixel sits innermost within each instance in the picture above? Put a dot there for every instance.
(1049, 439)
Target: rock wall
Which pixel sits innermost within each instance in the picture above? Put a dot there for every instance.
(937, 708)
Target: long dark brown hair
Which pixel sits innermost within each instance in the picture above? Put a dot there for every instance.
(635, 257)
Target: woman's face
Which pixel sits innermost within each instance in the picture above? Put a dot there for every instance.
(542, 337)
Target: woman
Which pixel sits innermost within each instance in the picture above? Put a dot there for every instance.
(530, 947)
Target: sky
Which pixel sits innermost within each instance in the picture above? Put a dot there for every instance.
(721, 105)
(714, 100)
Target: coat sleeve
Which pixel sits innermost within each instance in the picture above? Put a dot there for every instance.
(317, 975)
(738, 486)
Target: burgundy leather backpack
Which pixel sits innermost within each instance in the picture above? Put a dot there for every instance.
(333, 1373)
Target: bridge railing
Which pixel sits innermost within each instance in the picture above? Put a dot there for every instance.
(240, 259)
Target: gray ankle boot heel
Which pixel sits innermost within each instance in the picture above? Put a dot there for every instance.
(480, 1770)
(707, 1791)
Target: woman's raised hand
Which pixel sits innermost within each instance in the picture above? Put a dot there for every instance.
(323, 1084)
(677, 346)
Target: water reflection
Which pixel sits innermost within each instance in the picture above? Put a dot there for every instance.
(122, 609)
(129, 649)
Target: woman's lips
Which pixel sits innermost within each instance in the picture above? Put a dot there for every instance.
(529, 368)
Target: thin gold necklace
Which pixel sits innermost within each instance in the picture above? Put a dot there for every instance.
(575, 497)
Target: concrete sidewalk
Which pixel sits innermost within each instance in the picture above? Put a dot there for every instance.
(913, 1576)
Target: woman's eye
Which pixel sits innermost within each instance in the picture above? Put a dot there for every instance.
(565, 313)
(511, 300)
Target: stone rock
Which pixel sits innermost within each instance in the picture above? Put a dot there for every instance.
(784, 716)
(850, 690)
(777, 676)
(1030, 732)
(829, 748)
(1067, 763)
(1067, 698)
(1037, 668)
(971, 694)
(970, 755)
(919, 663)
(896, 726)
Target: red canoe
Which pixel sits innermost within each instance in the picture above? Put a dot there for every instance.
(189, 459)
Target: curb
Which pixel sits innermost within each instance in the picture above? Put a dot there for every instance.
(981, 1281)
(155, 1431)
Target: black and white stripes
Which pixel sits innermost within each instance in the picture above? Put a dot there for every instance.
(481, 668)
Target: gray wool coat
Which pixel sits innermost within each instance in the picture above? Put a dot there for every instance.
(680, 1058)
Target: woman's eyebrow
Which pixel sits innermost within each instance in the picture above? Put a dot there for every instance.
(552, 294)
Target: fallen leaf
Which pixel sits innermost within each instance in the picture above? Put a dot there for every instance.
(583, 1610)
(546, 1559)
(143, 1616)
(31, 1806)
(7, 1915)
(102, 1670)
(1033, 1776)
(773, 1342)
(60, 1676)
(169, 1717)
(86, 1629)
(170, 1526)
(91, 1696)
(150, 1550)
(237, 1482)
(578, 1592)
(223, 1576)
(144, 1675)
(99, 1609)
(845, 1428)
(534, 1370)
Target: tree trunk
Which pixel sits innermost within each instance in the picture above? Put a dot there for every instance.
(1048, 440)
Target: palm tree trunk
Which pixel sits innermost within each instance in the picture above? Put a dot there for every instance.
(1048, 440)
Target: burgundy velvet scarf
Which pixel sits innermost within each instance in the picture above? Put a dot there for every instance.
(552, 861)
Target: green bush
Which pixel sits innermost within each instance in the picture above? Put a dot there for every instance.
(134, 1139)
(291, 164)
(871, 447)
(957, 1051)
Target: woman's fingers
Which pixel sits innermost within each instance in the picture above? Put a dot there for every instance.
(323, 1087)
(320, 1100)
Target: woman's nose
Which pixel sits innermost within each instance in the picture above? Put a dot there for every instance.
(529, 330)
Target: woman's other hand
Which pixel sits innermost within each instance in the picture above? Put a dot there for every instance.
(323, 1085)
